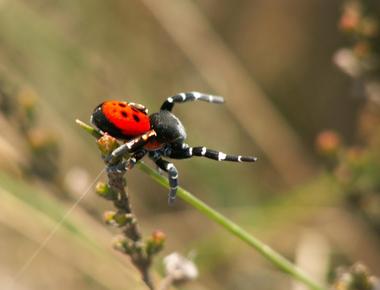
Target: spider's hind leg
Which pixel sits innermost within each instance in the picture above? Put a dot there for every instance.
(172, 176)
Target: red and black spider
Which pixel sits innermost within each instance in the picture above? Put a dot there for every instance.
(159, 135)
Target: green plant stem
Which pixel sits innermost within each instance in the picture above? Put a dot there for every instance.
(92, 131)
(275, 258)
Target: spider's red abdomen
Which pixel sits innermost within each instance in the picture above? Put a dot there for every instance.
(121, 119)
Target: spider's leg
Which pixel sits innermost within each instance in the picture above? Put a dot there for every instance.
(131, 146)
(118, 167)
(154, 155)
(188, 152)
(172, 176)
(139, 107)
(136, 157)
(188, 97)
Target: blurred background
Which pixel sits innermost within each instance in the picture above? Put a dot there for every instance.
(302, 88)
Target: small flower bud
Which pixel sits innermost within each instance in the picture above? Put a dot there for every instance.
(328, 142)
(102, 189)
(350, 20)
(155, 243)
(121, 244)
(120, 219)
(107, 144)
(130, 218)
(108, 217)
(356, 277)
(158, 236)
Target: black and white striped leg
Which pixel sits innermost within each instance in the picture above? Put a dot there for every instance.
(123, 166)
(117, 168)
(130, 146)
(188, 97)
(136, 157)
(188, 152)
(172, 176)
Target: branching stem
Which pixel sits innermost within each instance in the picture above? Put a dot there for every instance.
(271, 255)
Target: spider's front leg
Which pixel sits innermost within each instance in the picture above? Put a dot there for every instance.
(172, 176)
(130, 146)
(136, 157)
(124, 165)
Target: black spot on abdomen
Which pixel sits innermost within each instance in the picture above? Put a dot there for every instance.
(122, 105)
(137, 119)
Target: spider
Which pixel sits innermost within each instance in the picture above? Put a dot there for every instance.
(159, 135)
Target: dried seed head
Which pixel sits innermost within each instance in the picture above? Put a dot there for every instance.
(181, 269)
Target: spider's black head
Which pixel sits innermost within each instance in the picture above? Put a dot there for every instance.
(168, 127)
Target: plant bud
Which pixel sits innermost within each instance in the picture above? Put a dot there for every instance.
(155, 243)
(121, 244)
(109, 216)
(356, 277)
(120, 219)
(107, 144)
(328, 142)
(102, 189)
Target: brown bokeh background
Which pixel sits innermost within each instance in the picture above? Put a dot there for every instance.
(271, 60)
